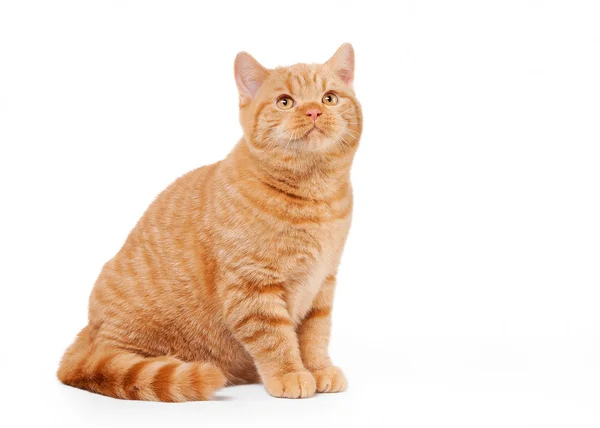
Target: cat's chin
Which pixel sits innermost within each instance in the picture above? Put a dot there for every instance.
(313, 142)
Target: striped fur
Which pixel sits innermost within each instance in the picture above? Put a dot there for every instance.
(127, 375)
(229, 276)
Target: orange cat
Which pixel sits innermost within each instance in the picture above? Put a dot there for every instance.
(229, 276)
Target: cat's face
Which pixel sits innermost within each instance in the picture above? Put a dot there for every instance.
(301, 108)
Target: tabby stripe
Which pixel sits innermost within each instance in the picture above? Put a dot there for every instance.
(271, 348)
(258, 334)
(246, 286)
(129, 386)
(283, 192)
(342, 213)
(104, 379)
(196, 382)
(230, 308)
(288, 84)
(274, 288)
(161, 384)
(79, 370)
(271, 320)
(274, 210)
(318, 313)
(277, 344)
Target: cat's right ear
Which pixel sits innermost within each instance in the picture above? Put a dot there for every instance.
(249, 76)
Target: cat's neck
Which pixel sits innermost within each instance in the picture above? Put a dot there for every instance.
(311, 175)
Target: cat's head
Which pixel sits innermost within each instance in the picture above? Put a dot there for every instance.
(308, 108)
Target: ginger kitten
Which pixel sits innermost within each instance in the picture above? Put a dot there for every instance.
(228, 278)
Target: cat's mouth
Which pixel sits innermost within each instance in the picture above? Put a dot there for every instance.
(313, 133)
(311, 130)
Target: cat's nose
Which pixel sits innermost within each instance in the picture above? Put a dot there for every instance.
(314, 113)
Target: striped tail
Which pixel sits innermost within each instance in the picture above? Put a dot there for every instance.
(126, 375)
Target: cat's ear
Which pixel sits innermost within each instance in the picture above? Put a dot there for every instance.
(342, 63)
(249, 76)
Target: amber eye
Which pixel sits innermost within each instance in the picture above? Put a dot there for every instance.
(285, 103)
(330, 99)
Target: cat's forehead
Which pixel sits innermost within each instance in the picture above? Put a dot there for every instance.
(303, 80)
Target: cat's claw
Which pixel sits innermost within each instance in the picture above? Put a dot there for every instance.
(299, 384)
(330, 379)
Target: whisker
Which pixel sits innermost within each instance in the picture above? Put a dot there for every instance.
(348, 131)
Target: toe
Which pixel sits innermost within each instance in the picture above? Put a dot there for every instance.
(330, 379)
(292, 385)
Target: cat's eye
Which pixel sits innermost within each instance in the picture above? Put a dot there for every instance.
(285, 103)
(330, 99)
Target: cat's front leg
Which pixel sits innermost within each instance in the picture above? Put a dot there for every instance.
(258, 317)
(313, 335)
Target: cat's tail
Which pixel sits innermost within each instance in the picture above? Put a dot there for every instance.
(122, 374)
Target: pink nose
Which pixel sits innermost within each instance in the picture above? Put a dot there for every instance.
(314, 113)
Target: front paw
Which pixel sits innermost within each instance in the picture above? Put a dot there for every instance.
(299, 384)
(330, 379)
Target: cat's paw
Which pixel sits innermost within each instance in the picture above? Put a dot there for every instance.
(299, 384)
(330, 379)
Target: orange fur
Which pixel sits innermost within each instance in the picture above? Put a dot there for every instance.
(229, 275)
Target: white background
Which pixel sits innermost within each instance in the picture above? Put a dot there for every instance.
(469, 291)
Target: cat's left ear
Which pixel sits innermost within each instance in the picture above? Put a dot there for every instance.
(342, 63)
(249, 76)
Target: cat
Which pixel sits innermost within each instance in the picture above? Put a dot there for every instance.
(228, 278)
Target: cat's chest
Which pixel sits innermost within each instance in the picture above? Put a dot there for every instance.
(316, 255)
